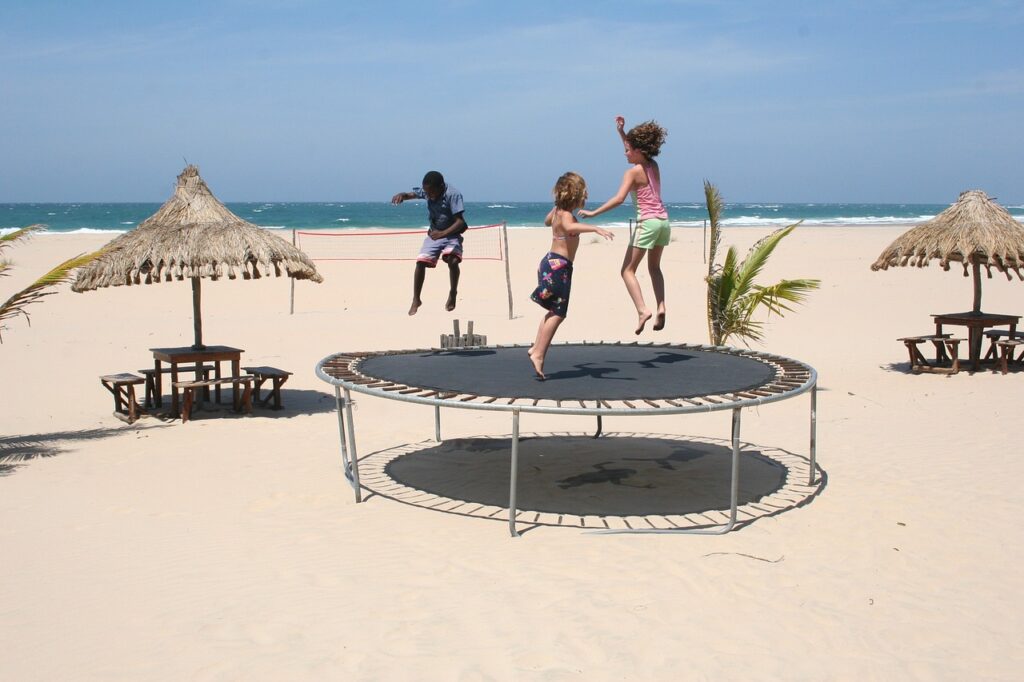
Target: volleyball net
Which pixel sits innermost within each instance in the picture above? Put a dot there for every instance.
(480, 243)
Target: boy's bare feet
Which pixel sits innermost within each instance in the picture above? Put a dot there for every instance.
(416, 303)
(644, 316)
(659, 323)
(450, 305)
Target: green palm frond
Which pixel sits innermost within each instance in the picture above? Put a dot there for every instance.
(733, 294)
(793, 291)
(16, 304)
(758, 255)
(8, 240)
(714, 203)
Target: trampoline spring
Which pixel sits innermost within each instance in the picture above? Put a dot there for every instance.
(652, 403)
(629, 404)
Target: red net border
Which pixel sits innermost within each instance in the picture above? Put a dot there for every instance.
(395, 233)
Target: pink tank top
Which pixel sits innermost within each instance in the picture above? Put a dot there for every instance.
(648, 198)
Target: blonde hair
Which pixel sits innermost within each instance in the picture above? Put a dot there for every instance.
(570, 191)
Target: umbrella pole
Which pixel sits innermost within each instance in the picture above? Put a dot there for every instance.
(977, 287)
(197, 296)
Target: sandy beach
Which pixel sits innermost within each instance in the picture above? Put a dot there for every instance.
(231, 548)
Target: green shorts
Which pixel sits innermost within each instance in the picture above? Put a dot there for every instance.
(652, 232)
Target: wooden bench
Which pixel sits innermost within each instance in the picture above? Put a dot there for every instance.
(200, 371)
(1007, 348)
(189, 389)
(122, 386)
(946, 351)
(277, 377)
(996, 335)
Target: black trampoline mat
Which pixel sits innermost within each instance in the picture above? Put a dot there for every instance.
(583, 475)
(575, 372)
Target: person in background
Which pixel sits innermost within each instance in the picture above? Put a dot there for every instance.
(444, 235)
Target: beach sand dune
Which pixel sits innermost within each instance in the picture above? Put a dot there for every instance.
(231, 547)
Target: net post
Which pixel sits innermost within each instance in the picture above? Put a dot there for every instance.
(705, 250)
(291, 308)
(508, 276)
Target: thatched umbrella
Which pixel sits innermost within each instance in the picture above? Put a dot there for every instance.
(974, 231)
(193, 236)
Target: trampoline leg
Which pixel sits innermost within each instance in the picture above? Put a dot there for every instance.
(346, 461)
(437, 423)
(598, 434)
(735, 486)
(814, 430)
(513, 475)
(354, 458)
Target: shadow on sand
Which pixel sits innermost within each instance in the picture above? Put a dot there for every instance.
(17, 450)
(577, 480)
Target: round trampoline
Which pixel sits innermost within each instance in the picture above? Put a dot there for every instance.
(600, 379)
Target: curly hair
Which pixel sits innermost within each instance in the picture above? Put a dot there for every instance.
(570, 191)
(647, 137)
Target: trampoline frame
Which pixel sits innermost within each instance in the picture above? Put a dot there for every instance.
(793, 378)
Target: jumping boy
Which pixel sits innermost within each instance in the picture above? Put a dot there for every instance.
(444, 236)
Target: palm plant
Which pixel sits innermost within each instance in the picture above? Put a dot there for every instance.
(16, 304)
(733, 295)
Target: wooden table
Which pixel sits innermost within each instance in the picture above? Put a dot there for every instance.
(188, 354)
(976, 324)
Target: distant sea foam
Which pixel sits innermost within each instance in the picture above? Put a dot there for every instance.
(88, 218)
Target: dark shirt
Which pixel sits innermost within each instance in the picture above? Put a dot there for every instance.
(443, 210)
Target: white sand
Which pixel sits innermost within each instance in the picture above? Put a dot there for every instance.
(230, 548)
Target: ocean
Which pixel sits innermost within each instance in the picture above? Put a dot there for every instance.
(120, 217)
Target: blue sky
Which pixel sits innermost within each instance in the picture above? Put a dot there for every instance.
(872, 101)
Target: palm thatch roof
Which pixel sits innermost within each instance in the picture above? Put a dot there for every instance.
(194, 235)
(973, 231)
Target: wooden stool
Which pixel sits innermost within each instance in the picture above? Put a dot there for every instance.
(122, 386)
(200, 371)
(189, 389)
(996, 335)
(1006, 350)
(946, 350)
(277, 376)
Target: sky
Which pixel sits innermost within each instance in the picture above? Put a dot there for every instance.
(305, 100)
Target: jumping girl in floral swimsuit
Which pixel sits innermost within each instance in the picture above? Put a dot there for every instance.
(554, 276)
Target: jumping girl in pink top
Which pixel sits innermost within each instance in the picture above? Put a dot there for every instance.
(653, 233)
